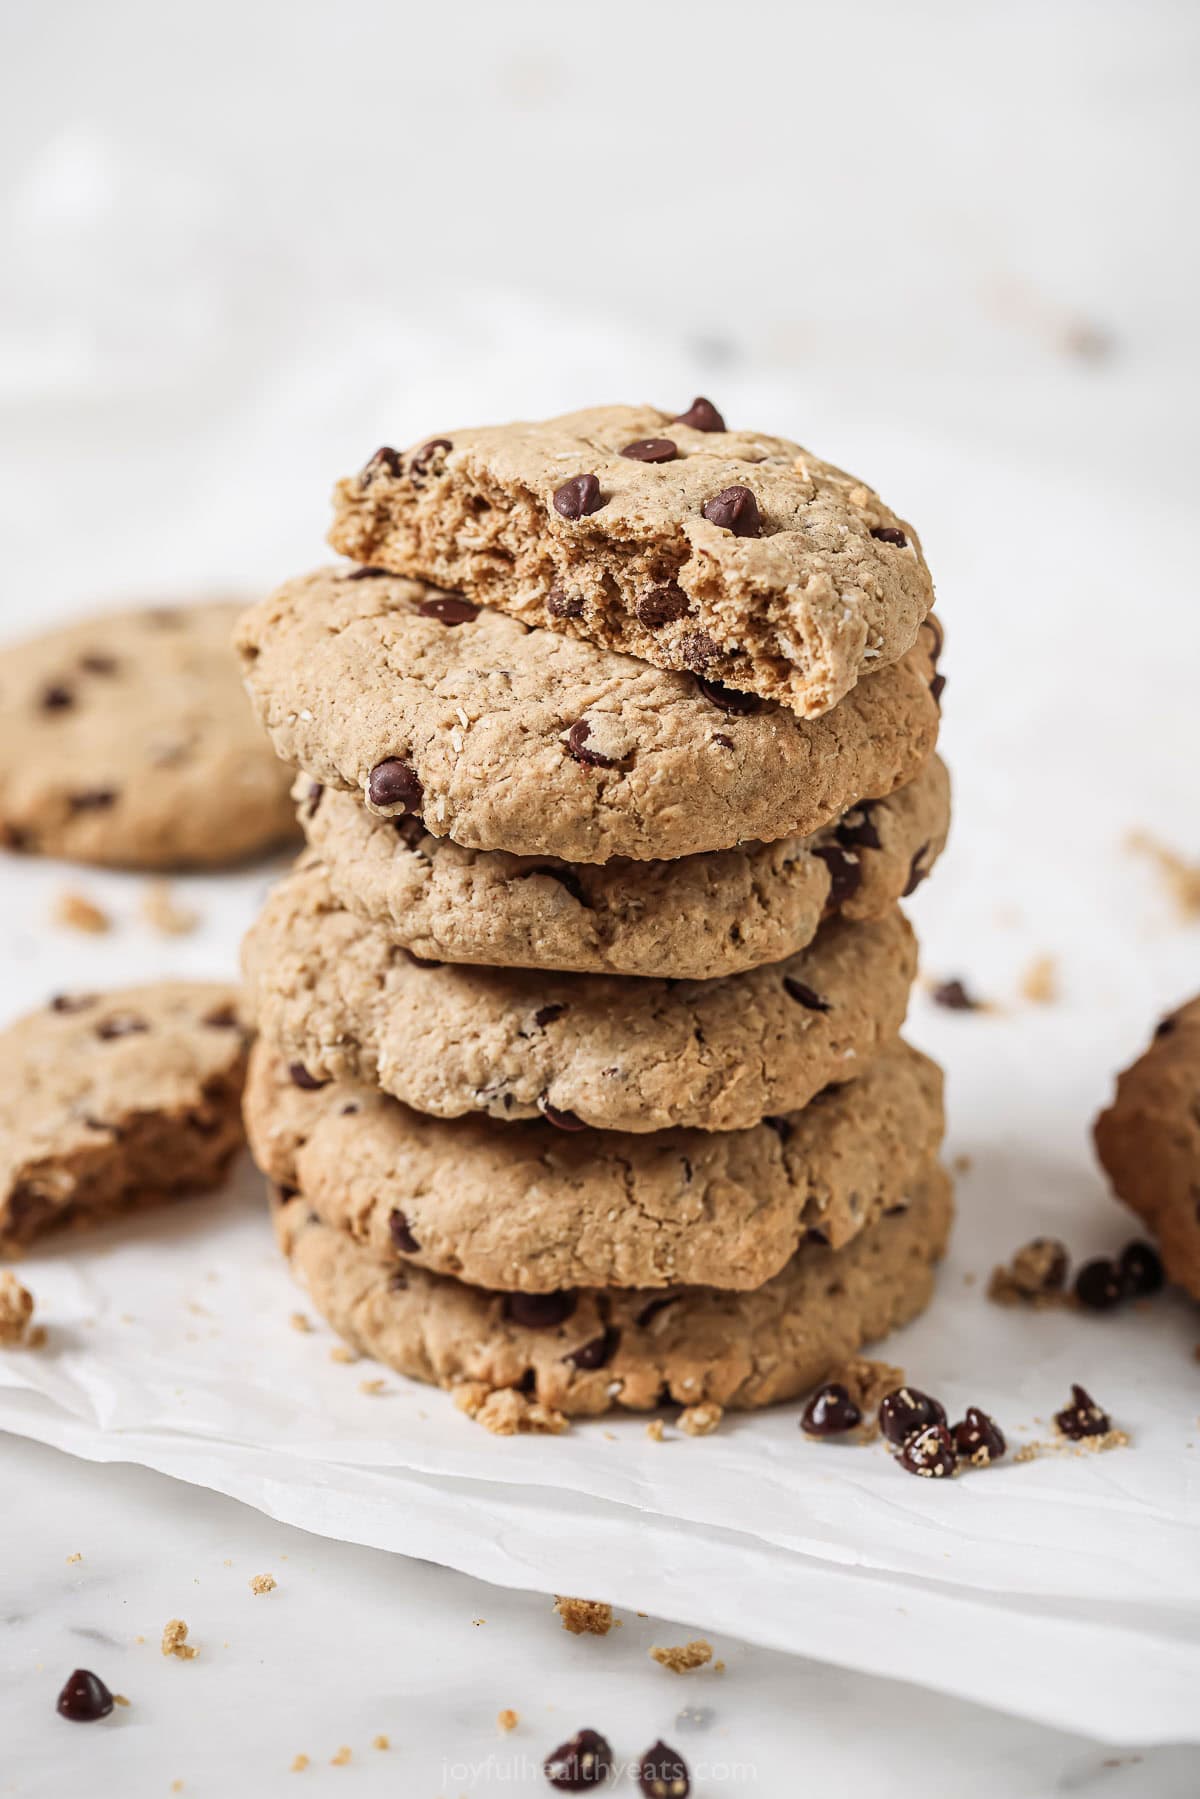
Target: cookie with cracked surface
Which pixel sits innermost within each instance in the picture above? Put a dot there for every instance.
(334, 995)
(529, 1208)
(126, 740)
(741, 557)
(590, 1350)
(111, 1100)
(1148, 1141)
(514, 738)
(691, 919)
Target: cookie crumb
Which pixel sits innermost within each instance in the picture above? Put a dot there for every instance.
(74, 911)
(866, 1382)
(701, 1420)
(1180, 879)
(161, 911)
(590, 1617)
(16, 1311)
(962, 1164)
(341, 1352)
(263, 1583)
(381, 1741)
(683, 1657)
(77, 1557)
(1039, 983)
(1036, 1275)
(174, 1640)
(654, 1430)
(300, 1322)
(718, 1667)
(372, 1388)
(507, 1719)
(299, 1763)
(507, 1413)
(120, 1699)
(343, 1757)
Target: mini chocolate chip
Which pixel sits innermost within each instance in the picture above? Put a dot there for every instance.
(15, 837)
(547, 1014)
(890, 534)
(1099, 1285)
(937, 688)
(577, 497)
(57, 698)
(661, 606)
(449, 609)
(539, 1311)
(222, 1018)
(830, 1411)
(393, 782)
(930, 1453)
(729, 699)
(577, 738)
(698, 650)
(597, 1353)
(1083, 1417)
(313, 798)
(726, 743)
(734, 509)
(845, 871)
(564, 605)
(94, 799)
(562, 1121)
(701, 415)
(1141, 1270)
(651, 449)
(299, 1076)
(804, 995)
(856, 829)
(907, 1409)
(583, 1761)
(421, 459)
(916, 874)
(121, 1024)
(95, 662)
(978, 1438)
(400, 1232)
(367, 574)
(954, 997)
(72, 1002)
(84, 1699)
(384, 459)
(662, 1773)
(652, 1308)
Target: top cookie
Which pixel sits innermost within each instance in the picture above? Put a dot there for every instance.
(735, 555)
(504, 736)
(126, 740)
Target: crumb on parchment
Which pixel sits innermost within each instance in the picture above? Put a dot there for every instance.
(381, 1741)
(1180, 879)
(16, 1312)
(701, 1420)
(299, 1321)
(174, 1640)
(343, 1757)
(74, 911)
(163, 913)
(299, 1763)
(1039, 983)
(263, 1583)
(507, 1413)
(584, 1617)
(683, 1657)
(507, 1719)
(654, 1430)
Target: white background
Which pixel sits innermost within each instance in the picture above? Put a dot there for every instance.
(952, 247)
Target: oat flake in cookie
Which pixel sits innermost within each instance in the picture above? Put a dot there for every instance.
(111, 1100)
(509, 737)
(738, 556)
(126, 739)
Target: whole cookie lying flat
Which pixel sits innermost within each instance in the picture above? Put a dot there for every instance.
(592, 1350)
(738, 556)
(110, 1100)
(1149, 1142)
(506, 737)
(126, 740)
(331, 992)
(535, 1209)
(692, 919)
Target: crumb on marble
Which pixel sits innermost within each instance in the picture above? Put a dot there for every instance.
(682, 1658)
(263, 1583)
(701, 1420)
(1039, 983)
(341, 1352)
(507, 1719)
(372, 1388)
(174, 1640)
(507, 1413)
(654, 1430)
(163, 913)
(584, 1617)
(74, 911)
(300, 1321)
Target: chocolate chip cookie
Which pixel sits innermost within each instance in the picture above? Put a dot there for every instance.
(740, 557)
(111, 1100)
(508, 736)
(126, 740)
(692, 919)
(334, 995)
(1149, 1142)
(531, 1208)
(589, 1350)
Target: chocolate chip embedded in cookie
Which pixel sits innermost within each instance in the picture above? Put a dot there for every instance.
(508, 737)
(111, 1100)
(795, 578)
(331, 991)
(126, 739)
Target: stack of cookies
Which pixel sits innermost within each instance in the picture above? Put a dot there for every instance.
(579, 1078)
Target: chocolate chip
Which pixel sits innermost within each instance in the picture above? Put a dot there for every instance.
(56, 698)
(72, 1002)
(93, 799)
(930, 1453)
(400, 1232)
(597, 1353)
(830, 1411)
(121, 1024)
(954, 997)
(564, 605)
(222, 1018)
(726, 743)
(652, 1308)
(547, 1014)
(577, 497)
(1164, 1027)
(845, 871)
(299, 1076)
(409, 830)
(583, 1761)
(97, 663)
(803, 994)
(539, 1311)
(734, 509)
(937, 688)
(1099, 1285)
(449, 609)
(367, 574)
(313, 798)
(1083, 1417)
(978, 1438)
(661, 606)
(916, 874)
(662, 1773)
(422, 458)
(651, 449)
(393, 782)
(906, 1410)
(856, 829)
(698, 650)
(1141, 1270)
(562, 1121)
(701, 415)
(890, 534)
(384, 460)
(577, 739)
(729, 699)
(85, 1698)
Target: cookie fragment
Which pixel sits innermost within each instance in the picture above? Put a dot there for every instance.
(585, 1617)
(16, 1311)
(683, 1658)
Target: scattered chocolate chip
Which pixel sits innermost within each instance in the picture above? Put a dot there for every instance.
(95, 662)
(857, 830)
(954, 997)
(662, 1773)
(845, 871)
(698, 650)
(830, 1411)
(577, 739)
(651, 449)
(803, 994)
(367, 574)
(653, 1307)
(547, 1014)
(564, 605)
(978, 1438)
(1099, 1286)
(393, 782)
(85, 1698)
(562, 1121)
(734, 509)
(56, 698)
(72, 1002)
(577, 497)
(729, 699)
(701, 415)
(400, 1232)
(422, 458)
(299, 1076)
(929, 1453)
(222, 1018)
(906, 1410)
(385, 460)
(449, 609)
(1083, 1417)
(890, 534)
(726, 743)
(597, 1353)
(120, 1024)
(313, 798)
(94, 799)
(1141, 1270)
(583, 1761)
(937, 688)
(539, 1311)
(916, 874)
(661, 606)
